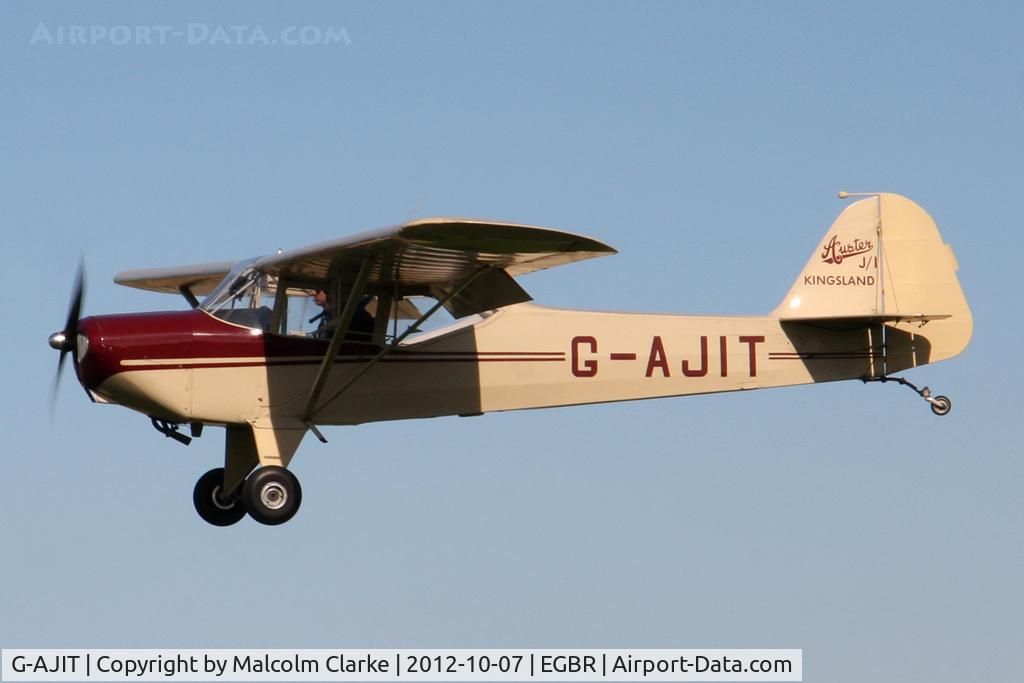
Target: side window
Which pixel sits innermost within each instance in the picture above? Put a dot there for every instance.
(408, 310)
(304, 315)
(306, 310)
(313, 312)
(258, 300)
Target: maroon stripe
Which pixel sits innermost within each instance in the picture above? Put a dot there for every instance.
(339, 361)
(799, 353)
(822, 355)
(827, 355)
(409, 350)
(849, 357)
(622, 356)
(395, 359)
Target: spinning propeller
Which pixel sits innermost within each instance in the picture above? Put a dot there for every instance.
(66, 340)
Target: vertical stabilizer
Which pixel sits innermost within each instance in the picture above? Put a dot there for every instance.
(883, 262)
(842, 276)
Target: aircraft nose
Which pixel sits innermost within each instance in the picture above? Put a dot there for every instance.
(91, 357)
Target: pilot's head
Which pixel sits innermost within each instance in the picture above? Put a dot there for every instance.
(320, 297)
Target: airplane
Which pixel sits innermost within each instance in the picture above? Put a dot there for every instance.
(879, 295)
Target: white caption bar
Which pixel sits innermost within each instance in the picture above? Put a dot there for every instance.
(402, 665)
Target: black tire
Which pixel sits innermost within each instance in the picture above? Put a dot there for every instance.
(214, 508)
(271, 495)
(941, 405)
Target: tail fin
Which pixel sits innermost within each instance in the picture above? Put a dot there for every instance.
(883, 261)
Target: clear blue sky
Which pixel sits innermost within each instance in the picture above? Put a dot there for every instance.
(706, 141)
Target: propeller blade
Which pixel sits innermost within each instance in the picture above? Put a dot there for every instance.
(75, 309)
(66, 340)
(55, 389)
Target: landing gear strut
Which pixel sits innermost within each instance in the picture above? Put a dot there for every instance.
(941, 405)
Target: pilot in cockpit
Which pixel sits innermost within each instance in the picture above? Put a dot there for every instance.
(360, 329)
(324, 320)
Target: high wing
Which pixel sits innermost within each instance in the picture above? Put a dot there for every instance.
(428, 256)
(431, 256)
(200, 278)
(432, 250)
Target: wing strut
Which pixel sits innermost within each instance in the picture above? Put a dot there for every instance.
(186, 292)
(390, 347)
(340, 330)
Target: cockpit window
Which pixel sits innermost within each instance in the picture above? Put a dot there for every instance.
(255, 299)
(230, 287)
(258, 300)
(243, 298)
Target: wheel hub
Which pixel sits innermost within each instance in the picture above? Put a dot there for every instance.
(220, 500)
(273, 496)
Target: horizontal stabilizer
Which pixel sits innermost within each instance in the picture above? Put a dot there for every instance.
(847, 322)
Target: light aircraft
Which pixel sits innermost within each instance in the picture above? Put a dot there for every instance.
(879, 295)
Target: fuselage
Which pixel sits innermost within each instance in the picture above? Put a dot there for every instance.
(193, 367)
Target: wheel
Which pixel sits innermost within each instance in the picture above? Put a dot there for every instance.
(941, 405)
(271, 495)
(212, 506)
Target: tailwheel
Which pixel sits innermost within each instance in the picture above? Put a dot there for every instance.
(212, 505)
(271, 495)
(941, 405)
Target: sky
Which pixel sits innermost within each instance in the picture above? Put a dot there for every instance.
(706, 141)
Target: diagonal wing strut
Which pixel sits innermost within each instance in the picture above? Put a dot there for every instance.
(311, 412)
(340, 330)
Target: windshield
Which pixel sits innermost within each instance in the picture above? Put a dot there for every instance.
(236, 280)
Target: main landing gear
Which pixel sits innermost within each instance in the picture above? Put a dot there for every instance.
(212, 504)
(271, 495)
(941, 405)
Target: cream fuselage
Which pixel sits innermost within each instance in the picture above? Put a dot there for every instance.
(202, 369)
